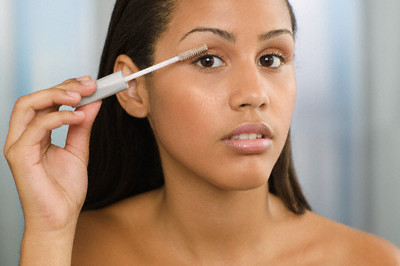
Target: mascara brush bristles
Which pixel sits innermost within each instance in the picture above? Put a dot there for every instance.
(192, 53)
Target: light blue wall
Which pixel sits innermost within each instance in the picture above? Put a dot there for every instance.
(10, 215)
(383, 111)
(329, 83)
(346, 123)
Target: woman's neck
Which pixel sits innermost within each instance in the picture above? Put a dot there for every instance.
(212, 222)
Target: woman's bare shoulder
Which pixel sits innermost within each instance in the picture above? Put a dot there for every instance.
(93, 236)
(351, 246)
(111, 233)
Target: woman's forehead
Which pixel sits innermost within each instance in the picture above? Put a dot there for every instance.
(230, 15)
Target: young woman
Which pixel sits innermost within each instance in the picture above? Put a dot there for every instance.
(189, 166)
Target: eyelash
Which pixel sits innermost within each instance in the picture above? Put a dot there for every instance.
(208, 55)
(279, 55)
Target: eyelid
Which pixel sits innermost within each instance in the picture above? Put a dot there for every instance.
(206, 54)
(283, 57)
(209, 53)
(277, 53)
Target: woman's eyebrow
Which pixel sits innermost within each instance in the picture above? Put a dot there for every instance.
(274, 33)
(231, 36)
(222, 33)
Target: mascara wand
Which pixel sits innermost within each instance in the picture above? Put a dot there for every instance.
(117, 81)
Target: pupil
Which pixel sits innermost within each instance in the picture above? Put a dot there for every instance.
(207, 61)
(267, 60)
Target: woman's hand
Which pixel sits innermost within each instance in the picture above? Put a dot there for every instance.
(51, 181)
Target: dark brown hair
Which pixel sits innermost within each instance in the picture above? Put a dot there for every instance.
(124, 159)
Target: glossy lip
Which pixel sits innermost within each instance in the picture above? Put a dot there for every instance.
(248, 147)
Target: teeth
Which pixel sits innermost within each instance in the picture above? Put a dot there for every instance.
(251, 136)
(244, 136)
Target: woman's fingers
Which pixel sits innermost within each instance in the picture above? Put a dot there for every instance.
(85, 86)
(27, 108)
(38, 131)
(45, 101)
(79, 134)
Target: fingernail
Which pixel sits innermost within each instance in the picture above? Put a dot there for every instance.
(73, 94)
(85, 80)
(79, 113)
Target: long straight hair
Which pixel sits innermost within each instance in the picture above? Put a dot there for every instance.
(123, 156)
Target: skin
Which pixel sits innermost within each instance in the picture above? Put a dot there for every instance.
(220, 100)
(214, 208)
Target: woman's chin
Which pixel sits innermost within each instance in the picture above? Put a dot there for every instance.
(242, 183)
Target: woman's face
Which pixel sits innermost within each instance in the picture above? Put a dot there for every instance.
(224, 117)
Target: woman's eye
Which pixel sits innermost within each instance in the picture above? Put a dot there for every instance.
(271, 61)
(209, 61)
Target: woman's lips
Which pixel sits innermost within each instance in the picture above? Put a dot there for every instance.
(250, 138)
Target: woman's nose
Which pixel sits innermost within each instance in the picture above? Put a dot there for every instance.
(249, 91)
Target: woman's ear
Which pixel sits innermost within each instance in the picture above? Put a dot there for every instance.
(134, 99)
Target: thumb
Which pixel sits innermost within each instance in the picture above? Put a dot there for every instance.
(78, 137)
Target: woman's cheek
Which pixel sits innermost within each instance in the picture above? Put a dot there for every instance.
(181, 115)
